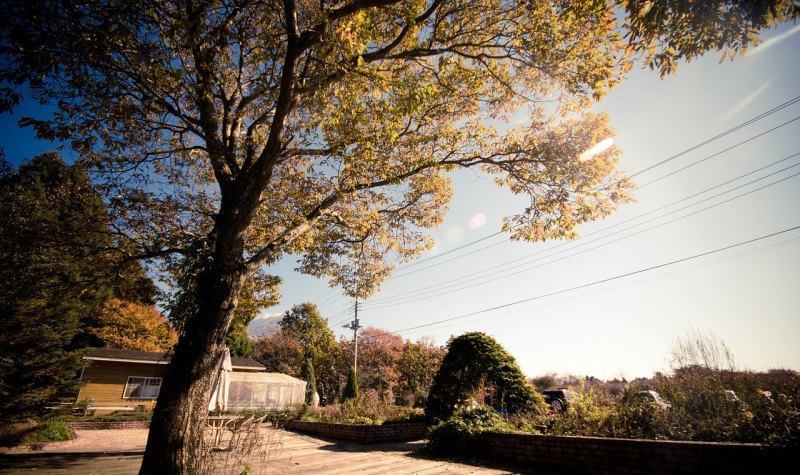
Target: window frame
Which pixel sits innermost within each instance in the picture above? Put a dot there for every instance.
(143, 384)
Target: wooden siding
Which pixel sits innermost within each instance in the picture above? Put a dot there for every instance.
(104, 382)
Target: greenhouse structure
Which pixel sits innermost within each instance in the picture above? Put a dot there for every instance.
(271, 391)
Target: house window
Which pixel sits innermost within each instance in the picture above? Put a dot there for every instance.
(139, 387)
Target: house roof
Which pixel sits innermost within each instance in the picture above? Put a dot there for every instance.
(154, 357)
(279, 378)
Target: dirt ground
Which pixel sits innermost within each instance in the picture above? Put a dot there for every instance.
(119, 452)
(91, 441)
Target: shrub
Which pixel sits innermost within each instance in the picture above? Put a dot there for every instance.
(701, 409)
(589, 414)
(775, 419)
(637, 418)
(50, 430)
(368, 408)
(460, 434)
(351, 388)
(473, 360)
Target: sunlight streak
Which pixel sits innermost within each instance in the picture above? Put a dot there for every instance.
(599, 148)
(773, 41)
(747, 100)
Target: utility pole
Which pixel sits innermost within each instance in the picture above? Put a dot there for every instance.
(354, 325)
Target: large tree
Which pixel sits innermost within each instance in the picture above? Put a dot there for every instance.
(379, 354)
(304, 323)
(250, 129)
(133, 326)
(420, 362)
(279, 353)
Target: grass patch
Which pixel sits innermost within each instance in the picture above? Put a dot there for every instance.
(119, 417)
(49, 430)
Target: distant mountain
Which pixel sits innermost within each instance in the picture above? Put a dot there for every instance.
(264, 325)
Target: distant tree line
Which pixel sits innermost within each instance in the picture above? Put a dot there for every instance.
(399, 371)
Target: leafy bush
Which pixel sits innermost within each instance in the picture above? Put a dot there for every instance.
(636, 418)
(589, 414)
(473, 360)
(460, 434)
(50, 430)
(701, 409)
(368, 408)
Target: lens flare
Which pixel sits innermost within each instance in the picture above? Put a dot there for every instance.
(476, 221)
(599, 148)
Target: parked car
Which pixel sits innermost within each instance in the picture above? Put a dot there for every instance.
(558, 399)
(654, 398)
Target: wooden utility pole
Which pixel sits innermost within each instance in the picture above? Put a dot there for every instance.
(354, 325)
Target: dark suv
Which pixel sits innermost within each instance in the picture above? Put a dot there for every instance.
(558, 399)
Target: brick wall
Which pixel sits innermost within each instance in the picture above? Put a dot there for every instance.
(109, 425)
(593, 455)
(363, 434)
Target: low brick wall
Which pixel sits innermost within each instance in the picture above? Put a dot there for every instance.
(109, 425)
(593, 455)
(363, 434)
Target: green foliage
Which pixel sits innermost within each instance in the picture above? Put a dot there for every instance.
(668, 30)
(304, 324)
(765, 409)
(475, 359)
(588, 414)
(50, 430)
(115, 417)
(417, 367)
(311, 383)
(460, 434)
(350, 391)
(368, 408)
(238, 342)
(638, 418)
(701, 410)
(58, 267)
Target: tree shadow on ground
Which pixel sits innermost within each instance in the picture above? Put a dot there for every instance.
(418, 450)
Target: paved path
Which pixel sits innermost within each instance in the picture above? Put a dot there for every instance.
(97, 453)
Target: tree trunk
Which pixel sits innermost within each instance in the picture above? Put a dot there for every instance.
(176, 431)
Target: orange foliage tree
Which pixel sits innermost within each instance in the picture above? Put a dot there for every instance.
(134, 326)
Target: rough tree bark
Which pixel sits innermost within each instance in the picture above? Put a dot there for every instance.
(176, 432)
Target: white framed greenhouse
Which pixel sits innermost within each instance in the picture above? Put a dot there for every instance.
(262, 391)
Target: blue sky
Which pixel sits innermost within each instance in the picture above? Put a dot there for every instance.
(747, 296)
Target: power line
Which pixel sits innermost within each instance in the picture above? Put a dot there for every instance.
(326, 294)
(406, 301)
(719, 136)
(601, 281)
(717, 154)
(662, 162)
(402, 274)
(399, 298)
(422, 261)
